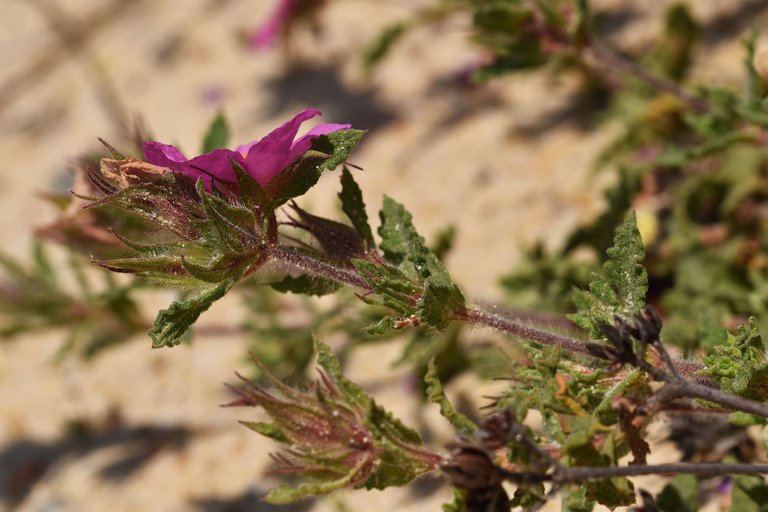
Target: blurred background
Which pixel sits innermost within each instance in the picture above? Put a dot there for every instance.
(508, 163)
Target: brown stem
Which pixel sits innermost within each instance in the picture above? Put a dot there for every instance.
(614, 61)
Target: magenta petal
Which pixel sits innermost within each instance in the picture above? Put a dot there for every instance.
(164, 155)
(214, 165)
(272, 153)
(266, 35)
(304, 142)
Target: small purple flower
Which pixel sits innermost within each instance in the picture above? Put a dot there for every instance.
(262, 159)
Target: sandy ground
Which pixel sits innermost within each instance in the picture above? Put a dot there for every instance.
(507, 164)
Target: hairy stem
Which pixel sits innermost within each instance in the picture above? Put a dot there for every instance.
(315, 267)
(612, 60)
(474, 315)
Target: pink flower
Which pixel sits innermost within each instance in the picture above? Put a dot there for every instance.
(266, 35)
(285, 11)
(262, 159)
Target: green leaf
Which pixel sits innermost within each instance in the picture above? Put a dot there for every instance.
(172, 323)
(380, 46)
(436, 395)
(353, 206)
(621, 291)
(680, 495)
(459, 503)
(328, 152)
(217, 136)
(337, 146)
(396, 231)
(741, 364)
(404, 247)
(575, 500)
(306, 285)
(750, 494)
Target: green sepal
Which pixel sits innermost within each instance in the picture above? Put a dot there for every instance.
(250, 191)
(217, 136)
(306, 285)
(231, 227)
(214, 272)
(172, 323)
(396, 467)
(353, 206)
(436, 395)
(285, 494)
(266, 429)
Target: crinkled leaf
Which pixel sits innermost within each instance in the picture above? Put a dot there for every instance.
(436, 395)
(404, 247)
(337, 146)
(741, 364)
(575, 499)
(217, 136)
(328, 152)
(621, 291)
(172, 323)
(392, 287)
(353, 206)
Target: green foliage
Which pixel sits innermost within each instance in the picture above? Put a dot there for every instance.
(33, 298)
(217, 136)
(458, 504)
(621, 292)
(353, 206)
(328, 152)
(679, 495)
(171, 324)
(418, 284)
(740, 364)
(750, 494)
(436, 395)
